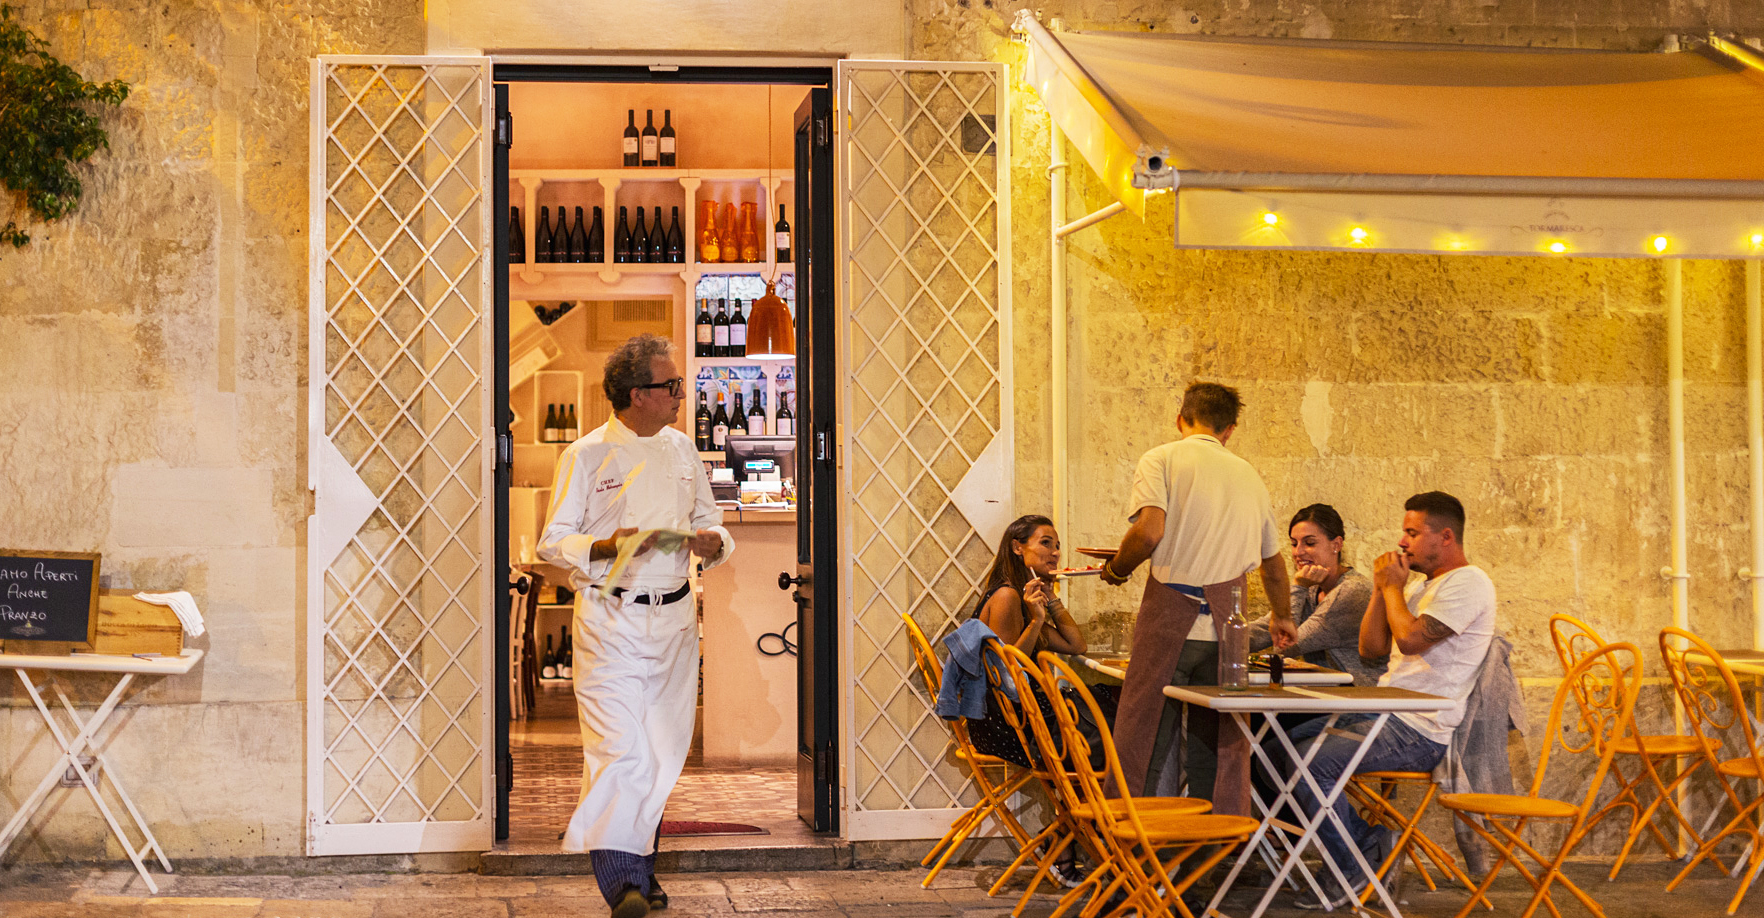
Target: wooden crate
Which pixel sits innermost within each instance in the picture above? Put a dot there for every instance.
(125, 625)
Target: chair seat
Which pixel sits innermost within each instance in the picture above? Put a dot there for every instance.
(1394, 776)
(1509, 805)
(1739, 768)
(1174, 806)
(1175, 828)
(983, 760)
(1663, 744)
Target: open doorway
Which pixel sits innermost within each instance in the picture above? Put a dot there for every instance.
(590, 252)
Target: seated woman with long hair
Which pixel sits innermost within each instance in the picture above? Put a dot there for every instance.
(1329, 598)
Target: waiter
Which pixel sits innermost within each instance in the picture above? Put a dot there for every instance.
(636, 670)
(1202, 515)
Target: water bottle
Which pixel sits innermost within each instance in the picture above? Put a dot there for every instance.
(1234, 645)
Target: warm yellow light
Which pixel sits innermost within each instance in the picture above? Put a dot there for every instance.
(1358, 233)
(1271, 218)
(1758, 238)
(1558, 247)
(1660, 243)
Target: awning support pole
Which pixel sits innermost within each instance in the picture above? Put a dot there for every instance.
(1056, 171)
(1061, 232)
(1677, 572)
(1755, 430)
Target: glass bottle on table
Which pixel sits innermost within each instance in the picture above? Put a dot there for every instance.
(1234, 645)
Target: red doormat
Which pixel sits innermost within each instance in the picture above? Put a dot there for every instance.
(674, 829)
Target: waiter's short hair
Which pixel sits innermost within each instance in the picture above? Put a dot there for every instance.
(1211, 404)
(1442, 510)
(629, 367)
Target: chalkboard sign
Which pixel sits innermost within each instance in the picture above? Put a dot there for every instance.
(48, 596)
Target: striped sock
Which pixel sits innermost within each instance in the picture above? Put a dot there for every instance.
(615, 870)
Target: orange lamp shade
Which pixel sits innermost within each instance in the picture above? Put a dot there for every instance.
(770, 332)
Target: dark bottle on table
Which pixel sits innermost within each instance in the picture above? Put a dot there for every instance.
(578, 241)
(631, 155)
(622, 237)
(542, 236)
(737, 332)
(676, 247)
(597, 241)
(781, 236)
(702, 422)
(703, 336)
(517, 238)
(651, 142)
(639, 243)
(665, 142)
(720, 330)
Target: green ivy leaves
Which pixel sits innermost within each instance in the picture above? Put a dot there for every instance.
(46, 125)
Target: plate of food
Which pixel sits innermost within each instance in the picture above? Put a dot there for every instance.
(1103, 553)
(1292, 664)
(1090, 570)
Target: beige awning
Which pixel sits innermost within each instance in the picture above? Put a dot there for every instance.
(1398, 147)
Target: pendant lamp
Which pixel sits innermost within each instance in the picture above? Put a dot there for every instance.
(771, 335)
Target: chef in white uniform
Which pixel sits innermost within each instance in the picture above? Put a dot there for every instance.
(636, 659)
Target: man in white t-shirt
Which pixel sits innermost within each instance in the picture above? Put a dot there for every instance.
(1201, 515)
(1436, 631)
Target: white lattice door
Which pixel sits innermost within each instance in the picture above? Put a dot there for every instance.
(400, 606)
(925, 334)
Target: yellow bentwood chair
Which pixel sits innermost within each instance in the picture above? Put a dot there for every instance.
(1603, 686)
(1374, 792)
(1714, 705)
(995, 795)
(1144, 846)
(1653, 753)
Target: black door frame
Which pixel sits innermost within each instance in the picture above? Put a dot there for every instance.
(825, 581)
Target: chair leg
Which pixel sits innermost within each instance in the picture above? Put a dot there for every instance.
(1754, 864)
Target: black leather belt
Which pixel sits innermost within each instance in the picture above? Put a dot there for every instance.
(642, 597)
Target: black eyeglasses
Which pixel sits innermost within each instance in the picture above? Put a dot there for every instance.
(674, 386)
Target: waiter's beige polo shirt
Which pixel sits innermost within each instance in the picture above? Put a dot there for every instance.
(1218, 520)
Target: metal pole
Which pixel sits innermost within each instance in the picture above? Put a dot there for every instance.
(1677, 573)
(1056, 171)
(1755, 430)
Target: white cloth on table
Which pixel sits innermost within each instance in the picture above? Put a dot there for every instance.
(1218, 520)
(1462, 599)
(183, 605)
(636, 666)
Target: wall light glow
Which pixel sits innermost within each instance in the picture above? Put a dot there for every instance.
(1660, 243)
(1758, 238)
(1558, 247)
(1358, 234)
(1271, 218)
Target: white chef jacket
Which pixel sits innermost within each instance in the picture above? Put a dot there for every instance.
(613, 479)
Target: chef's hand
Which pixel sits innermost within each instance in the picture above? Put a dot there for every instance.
(706, 543)
(1310, 575)
(1283, 631)
(619, 535)
(1390, 570)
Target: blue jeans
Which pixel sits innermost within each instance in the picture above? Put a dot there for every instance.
(1398, 747)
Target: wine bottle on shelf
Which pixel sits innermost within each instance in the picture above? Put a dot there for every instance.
(702, 422)
(622, 237)
(548, 663)
(676, 246)
(786, 421)
(542, 236)
(517, 238)
(702, 332)
(738, 417)
(566, 654)
(651, 149)
(756, 416)
(639, 243)
(720, 330)
(549, 432)
(665, 141)
(571, 431)
(720, 425)
(597, 241)
(631, 156)
(737, 332)
(658, 240)
(781, 236)
(709, 251)
(749, 231)
(578, 240)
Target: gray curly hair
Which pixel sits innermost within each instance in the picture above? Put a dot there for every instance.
(629, 367)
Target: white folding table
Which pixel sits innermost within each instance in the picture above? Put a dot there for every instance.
(1333, 701)
(82, 738)
(1258, 677)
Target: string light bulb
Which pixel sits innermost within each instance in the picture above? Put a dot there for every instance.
(1660, 243)
(1271, 218)
(1558, 247)
(1758, 238)
(1357, 234)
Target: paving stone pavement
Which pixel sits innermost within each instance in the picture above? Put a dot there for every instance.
(28, 892)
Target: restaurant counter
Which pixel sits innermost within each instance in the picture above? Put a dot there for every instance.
(750, 697)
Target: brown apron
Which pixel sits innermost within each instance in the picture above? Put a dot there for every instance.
(1158, 635)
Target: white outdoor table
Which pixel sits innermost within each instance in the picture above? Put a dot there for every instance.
(1319, 676)
(83, 738)
(1333, 701)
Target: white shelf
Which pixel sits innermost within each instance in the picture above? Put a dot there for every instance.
(638, 174)
(739, 361)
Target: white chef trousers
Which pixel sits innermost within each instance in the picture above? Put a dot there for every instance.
(636, 682)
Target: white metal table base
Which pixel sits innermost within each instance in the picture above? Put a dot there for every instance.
(84, 738)
(1309, 824)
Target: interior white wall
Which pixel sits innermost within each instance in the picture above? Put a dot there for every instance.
(851, 28)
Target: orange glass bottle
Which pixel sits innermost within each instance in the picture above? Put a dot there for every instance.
(749, 232)
(709, 247)
(726, 232)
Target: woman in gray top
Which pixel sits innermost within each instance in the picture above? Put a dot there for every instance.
(1328, 598)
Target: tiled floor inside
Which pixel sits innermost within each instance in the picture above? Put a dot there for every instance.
(548, 778)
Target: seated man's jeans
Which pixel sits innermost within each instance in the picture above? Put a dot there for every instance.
(1398, 747)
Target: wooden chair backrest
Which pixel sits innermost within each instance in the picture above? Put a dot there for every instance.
(1709, 692)
(1603, 685)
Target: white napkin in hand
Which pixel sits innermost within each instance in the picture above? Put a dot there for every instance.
(181, 603)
